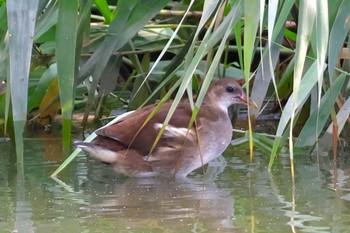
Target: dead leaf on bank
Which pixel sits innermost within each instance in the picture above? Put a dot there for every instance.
(49, 105)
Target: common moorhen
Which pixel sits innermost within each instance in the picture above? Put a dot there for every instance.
(179, 150)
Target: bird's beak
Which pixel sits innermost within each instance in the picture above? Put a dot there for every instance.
(247, 101)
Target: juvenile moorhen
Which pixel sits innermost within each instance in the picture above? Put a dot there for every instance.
(179, 150)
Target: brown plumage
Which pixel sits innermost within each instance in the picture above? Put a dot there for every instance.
(179, 151)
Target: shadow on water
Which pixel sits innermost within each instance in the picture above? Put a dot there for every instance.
(233, 196)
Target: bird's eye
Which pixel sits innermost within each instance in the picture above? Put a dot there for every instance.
(230, 89)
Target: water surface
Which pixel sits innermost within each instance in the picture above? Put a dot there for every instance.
(235, 195)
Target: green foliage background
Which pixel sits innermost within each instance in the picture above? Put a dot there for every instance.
(103, 55)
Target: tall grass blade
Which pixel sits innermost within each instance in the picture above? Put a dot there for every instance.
(251, 19)
(131, 16)
(322, 32)
(342, 117)
(208, 42)
(275, 29)
(213, 67)
(307, 12)
(309, 81)
(265, 74)
(103, 7)
(339, 31)
(318, 118)
(66, 41)
(173, 36)
(21, 22)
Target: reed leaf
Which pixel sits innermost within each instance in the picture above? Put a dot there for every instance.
(21, 23)
(265, 74)
(47, 19)
(309, 81)
(103, 7)
(250, 28)
(342, 116)
(66, 41)
(208, 42)
(173, 36)
(131, 16)
(319, 117)
(339, 31)
(322, 32)
(40, 89)
(307, 13)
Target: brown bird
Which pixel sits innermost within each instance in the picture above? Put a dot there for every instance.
(179, 150)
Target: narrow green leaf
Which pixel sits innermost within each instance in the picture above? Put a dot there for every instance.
(21, 22)
(40, 89)
(215, 63)
(322, 32)
(131, 16)
(208, 42)
(47, 19)
(103, 7)
(238, 35)
(66, 41)
(265, 74)
(342, 116)
(313, 127)
(173, 36)
(282, 17)
(140, 92)
(251, 19)
(307, 13)
(309, 81)
(275, 30)
(339, 31)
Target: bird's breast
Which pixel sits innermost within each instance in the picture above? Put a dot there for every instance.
(214, 137)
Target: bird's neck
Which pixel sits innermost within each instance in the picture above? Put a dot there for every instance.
(212, 100)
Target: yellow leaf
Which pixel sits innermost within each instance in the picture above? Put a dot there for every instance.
(49, 105)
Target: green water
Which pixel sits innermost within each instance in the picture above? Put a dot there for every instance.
(241, 196)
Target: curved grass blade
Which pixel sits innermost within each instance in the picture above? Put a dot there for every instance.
(103, 7)
(208, 42)
(131, 16)
(235, 17)
(309, 81)
(47, 20)
(319, 117)
(40, 89)
(173, 36)
(265, 74)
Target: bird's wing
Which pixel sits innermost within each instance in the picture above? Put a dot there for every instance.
(127, 130)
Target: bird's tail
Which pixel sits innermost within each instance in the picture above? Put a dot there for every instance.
(98, 152)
